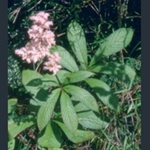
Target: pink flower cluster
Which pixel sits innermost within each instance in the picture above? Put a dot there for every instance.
(52, 63)
(41, 40)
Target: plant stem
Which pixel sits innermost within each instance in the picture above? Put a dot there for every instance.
(58, 80)
(120, 25)
(38, 65)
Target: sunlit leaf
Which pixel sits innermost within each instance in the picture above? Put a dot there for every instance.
(83, 96)
(67, 61)
(104, 92)
(68, 112)
(48, 138)
(77, 42)
(80, 107)
(15, 128)
(80, 76)
(78, 136)
(31, 80)
(122, 72)
(11, 104)
(11, 144)
(115, 42)
(46, 110)
(90, 120)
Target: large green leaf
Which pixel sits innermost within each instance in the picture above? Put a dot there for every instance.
(115, 42)
(63, 75)
(52, 81)
(11, 104)
(67, 60)
(122, 72)
(10, 137)
(83, 96)
(77, 42)
(129, 75)
(14, 128)
(90, 120)
(48, 138)
(11, 144)
(80, 76)
(46, 110)
(78, 136)
(32, 81)
(80, 107)
(68, 112)
(49, 80)
(104, 92)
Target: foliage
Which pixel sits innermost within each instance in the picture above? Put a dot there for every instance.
(33, 82)
(14, 74)
(82, 102)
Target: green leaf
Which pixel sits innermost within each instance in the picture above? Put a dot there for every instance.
(10, 137)
(11, 144)
(104, 92)
(77, 42)
(46, 110)
(130, 75)
(91, 121)
(78, 136)
(80, 76)
(123, 72)
(63, 76)
(83, 96)
(14, 128)
(81, 107)
(31, 80)
(48, 139)
(67, 61)
(49, 80)
(36, 104)
(35, 82)
(42, 94)
(68, 112)
(115, 42)
(11, 104)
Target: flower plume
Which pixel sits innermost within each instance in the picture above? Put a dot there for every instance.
(41, 40)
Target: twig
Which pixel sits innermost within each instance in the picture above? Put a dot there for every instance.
(35, 5)
(15, 12)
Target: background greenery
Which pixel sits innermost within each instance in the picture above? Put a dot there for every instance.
(98, 19)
